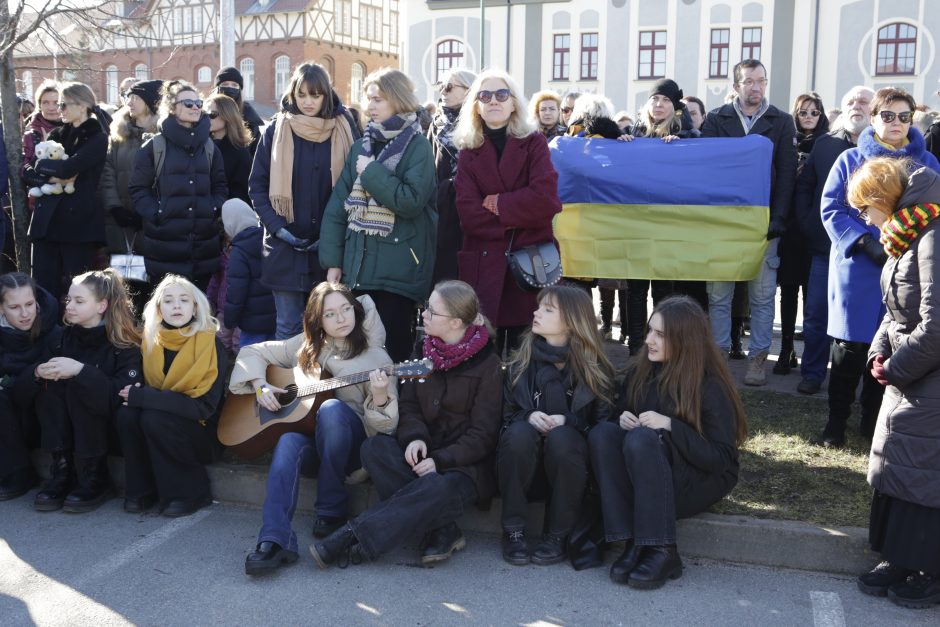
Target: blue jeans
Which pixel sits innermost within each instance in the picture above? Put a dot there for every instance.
(247, 339)
(816, 342)
(290, 313)
(331, 454)
(761, 291)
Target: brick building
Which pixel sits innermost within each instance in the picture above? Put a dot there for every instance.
(179, 39)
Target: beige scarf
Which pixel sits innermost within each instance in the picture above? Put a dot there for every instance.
(318, 130)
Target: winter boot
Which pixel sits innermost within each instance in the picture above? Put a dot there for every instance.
(94, 486)
(53, 493)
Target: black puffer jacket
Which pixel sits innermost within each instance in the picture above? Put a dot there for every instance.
(18, 350)
(76, 217)
(180, 212)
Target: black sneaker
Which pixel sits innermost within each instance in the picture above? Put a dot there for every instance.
(515, 548)
(877, 581)
(919, 591)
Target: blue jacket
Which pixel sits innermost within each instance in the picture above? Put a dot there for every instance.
(855, 305)
(249, 305)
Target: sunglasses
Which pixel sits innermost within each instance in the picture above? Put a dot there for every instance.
(449, 87)
(485, 96)
(212, 114)
(189, 103)
(806, 114)
(567, 109)
(888, 116)
(61, 106)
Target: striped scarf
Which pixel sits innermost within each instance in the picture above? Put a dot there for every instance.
(902, 228)
(363, 212)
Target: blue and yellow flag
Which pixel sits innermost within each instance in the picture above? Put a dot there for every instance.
(694, 210)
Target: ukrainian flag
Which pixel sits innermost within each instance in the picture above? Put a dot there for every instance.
(693, 210)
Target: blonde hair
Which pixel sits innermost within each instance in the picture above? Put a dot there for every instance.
(460, 75)
(463, 303)
(592, 106)
(396, 87)
(202, 314)
(469, 131)
(670, 126)
(45, 87)
(168, 95)
(118, 318)
(879, 183)
(538, 98)
(235, 129)
(80, 93)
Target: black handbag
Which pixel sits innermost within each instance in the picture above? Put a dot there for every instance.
(536, 266)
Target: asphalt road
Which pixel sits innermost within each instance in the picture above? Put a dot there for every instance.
(112, 568)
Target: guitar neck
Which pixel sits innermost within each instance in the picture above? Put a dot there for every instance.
(339, 382)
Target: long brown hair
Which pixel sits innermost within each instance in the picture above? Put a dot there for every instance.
(586, 358)
(692, 355)
(119, 321)
(235, 129)
(315, 335)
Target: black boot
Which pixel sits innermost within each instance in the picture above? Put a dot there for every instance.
(53, 493)
(622, 567)
(18, 483)
(737, 331)
(657, 564)
(515, 548)
(335, 548)
(787, 359)
(442, 543)
(552, 549)
(94, 487)
(268, 557)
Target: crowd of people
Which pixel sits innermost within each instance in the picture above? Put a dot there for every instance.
(336, 240)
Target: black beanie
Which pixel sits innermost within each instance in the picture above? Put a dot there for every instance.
(149, 92)
(668, 88)
(229, 74)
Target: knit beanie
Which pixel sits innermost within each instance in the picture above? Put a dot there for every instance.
(229, 74)
(668, 88)
(149, 92)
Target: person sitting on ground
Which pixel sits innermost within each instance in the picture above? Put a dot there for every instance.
(342, 335)
(442, 458)
(674, 450)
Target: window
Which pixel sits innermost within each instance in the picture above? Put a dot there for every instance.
(141, 71)
(281, 75)
(652, 54)
(449, 54)
(718, 53)
(343, 24)
(897, 49)
(330, 66)
(247, 68)
(588, 56)
(111, 84)
(370, 22)
(393, 28)
(750, 43)
(28, 85)
(561, 52)
(357, 74)
(204, 75)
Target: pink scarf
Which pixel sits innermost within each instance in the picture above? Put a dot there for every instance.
(445, 356)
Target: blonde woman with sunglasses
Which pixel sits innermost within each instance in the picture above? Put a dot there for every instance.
(178, 186)
(507, 193)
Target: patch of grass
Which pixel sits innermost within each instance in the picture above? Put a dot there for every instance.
(783, 476)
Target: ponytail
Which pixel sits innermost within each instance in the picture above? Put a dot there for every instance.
(107, 284)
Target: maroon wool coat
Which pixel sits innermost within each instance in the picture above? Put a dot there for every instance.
(527, 184)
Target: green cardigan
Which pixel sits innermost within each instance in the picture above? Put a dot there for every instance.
(403, 262)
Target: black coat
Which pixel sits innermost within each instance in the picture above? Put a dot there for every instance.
(283, 268)
(809, 189)
(76, 217)
(180, 212)
(932, 138)
(254, 123)
(449, 234)
(249, 305)
(237, 168)
(778, 127)
(18, 350)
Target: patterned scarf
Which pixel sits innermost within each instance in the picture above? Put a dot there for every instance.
(445, 356)
(444, 124)
(902, 228)
(364, 213)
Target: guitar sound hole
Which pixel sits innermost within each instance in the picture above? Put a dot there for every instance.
(286, 398)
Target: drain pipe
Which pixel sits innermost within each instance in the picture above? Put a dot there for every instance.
(815, 45)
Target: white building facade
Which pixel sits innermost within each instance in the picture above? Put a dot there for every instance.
(622, 47)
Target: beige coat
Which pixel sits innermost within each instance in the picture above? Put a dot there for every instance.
(252, 362)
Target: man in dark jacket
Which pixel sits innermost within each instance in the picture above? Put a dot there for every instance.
(751, 114)
(856, 115)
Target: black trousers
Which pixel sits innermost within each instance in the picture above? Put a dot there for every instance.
(696, 290)
(529, 464)
(165, 454)
(410, 504)
(637, 314)
(633, 470)
(56, 263)
(67, 424)
(14, 436)
(398, 314)
(607, 308)
(849, 361)
(789, 303)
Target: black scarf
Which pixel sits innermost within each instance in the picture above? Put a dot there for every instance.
(552, 382)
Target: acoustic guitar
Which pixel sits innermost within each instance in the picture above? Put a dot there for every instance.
(251, 430)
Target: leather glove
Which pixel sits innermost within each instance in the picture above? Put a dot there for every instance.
(292, 240)
(872, 249)
(125, 218)
(878, 369)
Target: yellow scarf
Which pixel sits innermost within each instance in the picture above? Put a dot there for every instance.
(318, 130)
(194, 369)
(889, 146)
